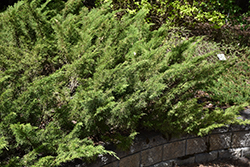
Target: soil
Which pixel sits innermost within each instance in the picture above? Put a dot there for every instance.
(240, 162)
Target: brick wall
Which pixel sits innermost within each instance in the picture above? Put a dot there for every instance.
(151, 149)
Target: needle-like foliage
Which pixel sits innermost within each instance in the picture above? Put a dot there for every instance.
(70, 77)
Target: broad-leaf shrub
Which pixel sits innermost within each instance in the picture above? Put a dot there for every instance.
(186, 12)
(68, 75)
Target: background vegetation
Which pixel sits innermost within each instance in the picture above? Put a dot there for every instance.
(73, 76)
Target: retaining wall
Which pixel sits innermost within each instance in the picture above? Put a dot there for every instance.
(151, 149)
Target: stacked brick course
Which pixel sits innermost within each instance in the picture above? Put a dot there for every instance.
(151, 149)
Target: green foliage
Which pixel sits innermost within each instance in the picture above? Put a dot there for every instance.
(185, 12)
(3, 144)
(230, 12)
(233, 88)
(176, 13)
(25, 134)
(69, 76)
(229, 114)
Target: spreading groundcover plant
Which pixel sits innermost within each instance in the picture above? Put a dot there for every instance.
(69, 75)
